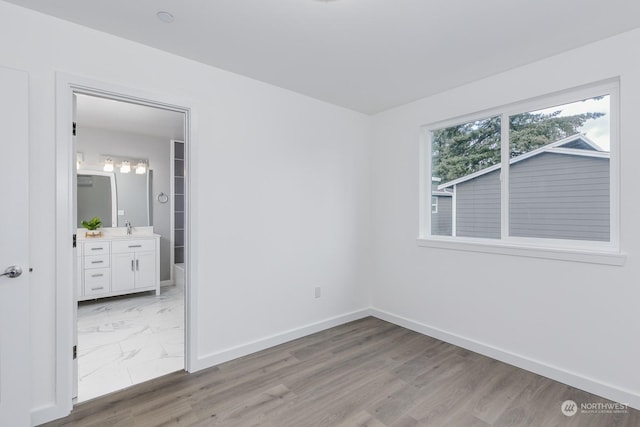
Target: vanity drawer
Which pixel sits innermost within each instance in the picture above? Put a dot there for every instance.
(96, 261)
(121, 246)
(96, 248)
(97, 281)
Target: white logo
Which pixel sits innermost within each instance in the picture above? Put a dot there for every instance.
(569, 408)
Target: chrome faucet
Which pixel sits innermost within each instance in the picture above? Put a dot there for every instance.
(127, 224)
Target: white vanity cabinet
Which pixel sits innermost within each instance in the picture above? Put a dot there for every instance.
(134, 265)
(118, 266)
(97, 273)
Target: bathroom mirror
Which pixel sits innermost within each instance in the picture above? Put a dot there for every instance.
(115, 197)
(97, 195)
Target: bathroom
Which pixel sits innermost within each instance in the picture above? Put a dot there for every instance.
(135, 153)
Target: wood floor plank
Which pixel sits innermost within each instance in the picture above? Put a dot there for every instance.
(439, 404)
(394, 405)
(405, 421)
(360, 419)
(364, 373)
(336, 400)
(254, 410)
(498, 393)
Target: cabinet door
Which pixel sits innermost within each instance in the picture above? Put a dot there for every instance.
(122, 272)
(145, 269)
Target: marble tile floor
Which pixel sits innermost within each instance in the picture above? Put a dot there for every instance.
(127, 340)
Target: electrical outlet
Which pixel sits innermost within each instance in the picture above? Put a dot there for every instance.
(318, 291)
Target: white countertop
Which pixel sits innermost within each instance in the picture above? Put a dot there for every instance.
(118, 233)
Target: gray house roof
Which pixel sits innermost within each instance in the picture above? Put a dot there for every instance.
(577, 145)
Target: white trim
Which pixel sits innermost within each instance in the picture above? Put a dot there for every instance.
(66, 85)
(556, 373)
(496, 246)
(46, 413)
(579, 152)
(43, 414)
(573, 250)
(172, 212)
(425, 183)
(532, 104)
(504, 176)
(244, 349)
(614, 165)
(65, 271)
(454, 212)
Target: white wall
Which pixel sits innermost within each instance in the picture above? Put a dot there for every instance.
(93, 142)
(575, 322)
(281, 204)
(280, 192)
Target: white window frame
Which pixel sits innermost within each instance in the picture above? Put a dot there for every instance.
(434, 204)
(571, 250)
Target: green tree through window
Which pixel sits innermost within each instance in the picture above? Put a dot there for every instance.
(469, 147)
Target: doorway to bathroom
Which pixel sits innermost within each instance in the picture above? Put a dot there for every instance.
(130, 272)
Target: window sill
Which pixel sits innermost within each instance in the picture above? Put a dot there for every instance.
(575, 255)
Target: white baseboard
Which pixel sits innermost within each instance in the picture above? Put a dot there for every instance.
(565, 376)
(44, 414)
(273, 340)
(164, 283)
(617, 394)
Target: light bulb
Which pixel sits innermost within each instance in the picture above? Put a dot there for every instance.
(141, 168)
(125, 167)
(108, 165)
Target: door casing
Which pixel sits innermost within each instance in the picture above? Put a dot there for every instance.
(66, 86)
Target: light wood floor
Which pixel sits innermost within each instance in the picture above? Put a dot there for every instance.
(365, 373)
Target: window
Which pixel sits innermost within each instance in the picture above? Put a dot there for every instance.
(537, 174)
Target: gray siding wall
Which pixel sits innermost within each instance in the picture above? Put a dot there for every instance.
(478, 207)
(560, 196)
(441, 222)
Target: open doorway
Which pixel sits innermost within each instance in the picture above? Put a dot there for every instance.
(130, 314)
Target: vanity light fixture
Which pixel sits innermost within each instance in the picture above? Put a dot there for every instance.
(125, 167)
(141, 168)
(108, 165)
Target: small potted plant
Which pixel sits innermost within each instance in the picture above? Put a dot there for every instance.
(92, 225)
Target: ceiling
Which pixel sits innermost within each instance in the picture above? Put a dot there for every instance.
(92, 111)
(366, 55)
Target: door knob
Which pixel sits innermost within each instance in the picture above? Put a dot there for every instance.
(12, 272)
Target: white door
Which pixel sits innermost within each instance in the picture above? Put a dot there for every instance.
(15, 381)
